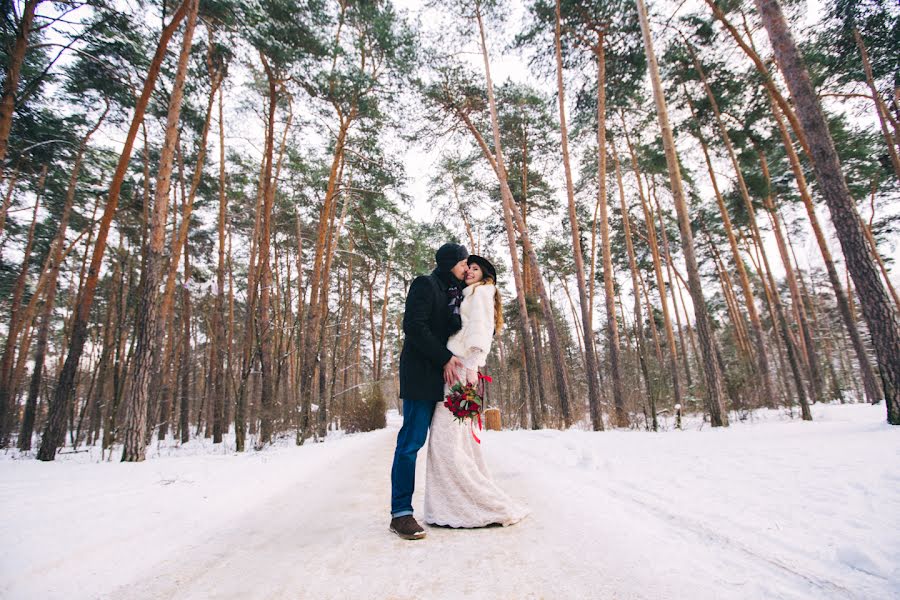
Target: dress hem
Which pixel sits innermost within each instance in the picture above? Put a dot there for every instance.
(461, 525)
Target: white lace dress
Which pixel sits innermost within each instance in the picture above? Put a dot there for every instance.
(459, 489)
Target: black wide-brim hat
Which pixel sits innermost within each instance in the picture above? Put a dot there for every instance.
(485, 264)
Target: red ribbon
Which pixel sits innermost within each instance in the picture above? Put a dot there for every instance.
(472, 427)
(487, 379)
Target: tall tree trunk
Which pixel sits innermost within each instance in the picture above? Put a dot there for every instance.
(17, 319)
(533, 346)
(653, 242)
(768, 281)
(110, 346)
(264, 332)
(621, 415)
(122, 355)
(56, 257)
(379, 363)
(809, 305)
(590, 357)
(812, 356)
(635, 285)
(219, 311)
(318, 278)
(59, 402)
(179, 241)
(7, 200)
(335, 228)
(657, 264)
(186, 359)
(718, 416)
(149, 324)
(672, 287)
(762, 356)
(499, 167)
(876, 307)
(13, 72)
(248, 356)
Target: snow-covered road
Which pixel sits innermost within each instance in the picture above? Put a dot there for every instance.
(776, 509)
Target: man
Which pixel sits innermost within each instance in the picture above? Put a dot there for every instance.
(431, 316)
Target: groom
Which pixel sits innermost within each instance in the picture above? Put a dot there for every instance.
(432, 315)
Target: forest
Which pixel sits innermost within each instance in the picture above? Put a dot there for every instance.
(212, 210)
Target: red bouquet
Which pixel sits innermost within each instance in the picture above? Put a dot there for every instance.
(465, 402)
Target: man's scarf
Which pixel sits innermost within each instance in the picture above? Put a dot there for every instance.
(454, 297)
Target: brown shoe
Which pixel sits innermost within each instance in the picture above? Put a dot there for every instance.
(407, 528)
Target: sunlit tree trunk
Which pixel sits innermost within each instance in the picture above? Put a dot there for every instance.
(635, 286)
(718, 416)
(13, 73)
(590, 358)
(185, 362)
(672, 287)
(263, 317)
(760, 351)
(533, 345)
(148, 324)
(248, 357)
(793, 354)
(872, 389)
(809, 304)
(809, 345)
(219, 399)
(498, 165)
(657, 270)
(653, 242)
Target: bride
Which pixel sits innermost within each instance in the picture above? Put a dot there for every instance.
(459, 490)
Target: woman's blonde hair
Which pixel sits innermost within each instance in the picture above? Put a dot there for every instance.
(498, 303)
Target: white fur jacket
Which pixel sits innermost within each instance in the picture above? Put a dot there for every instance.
(472, 343)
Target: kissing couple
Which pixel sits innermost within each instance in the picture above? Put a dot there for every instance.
(450, 319)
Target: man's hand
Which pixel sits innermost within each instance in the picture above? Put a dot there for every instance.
(451, 370)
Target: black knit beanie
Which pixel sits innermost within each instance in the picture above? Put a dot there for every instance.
(448, 255)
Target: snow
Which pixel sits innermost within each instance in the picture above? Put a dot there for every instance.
(769, 508)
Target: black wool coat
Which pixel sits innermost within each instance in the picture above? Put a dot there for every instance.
(426, 325)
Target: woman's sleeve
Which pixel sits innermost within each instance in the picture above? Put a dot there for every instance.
(473, 357)
(480, 329)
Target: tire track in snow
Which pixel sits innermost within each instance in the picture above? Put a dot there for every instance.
(695, 527)
(628, 496)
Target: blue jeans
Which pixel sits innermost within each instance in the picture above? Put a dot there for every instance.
(416, 421)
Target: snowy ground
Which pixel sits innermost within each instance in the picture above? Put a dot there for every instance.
(769, 509)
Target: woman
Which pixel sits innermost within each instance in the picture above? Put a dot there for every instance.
(459, 490)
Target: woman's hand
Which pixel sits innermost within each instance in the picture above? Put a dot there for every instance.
(472, 376)
(451, 369)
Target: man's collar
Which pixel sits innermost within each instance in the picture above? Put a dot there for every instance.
(447, 278)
